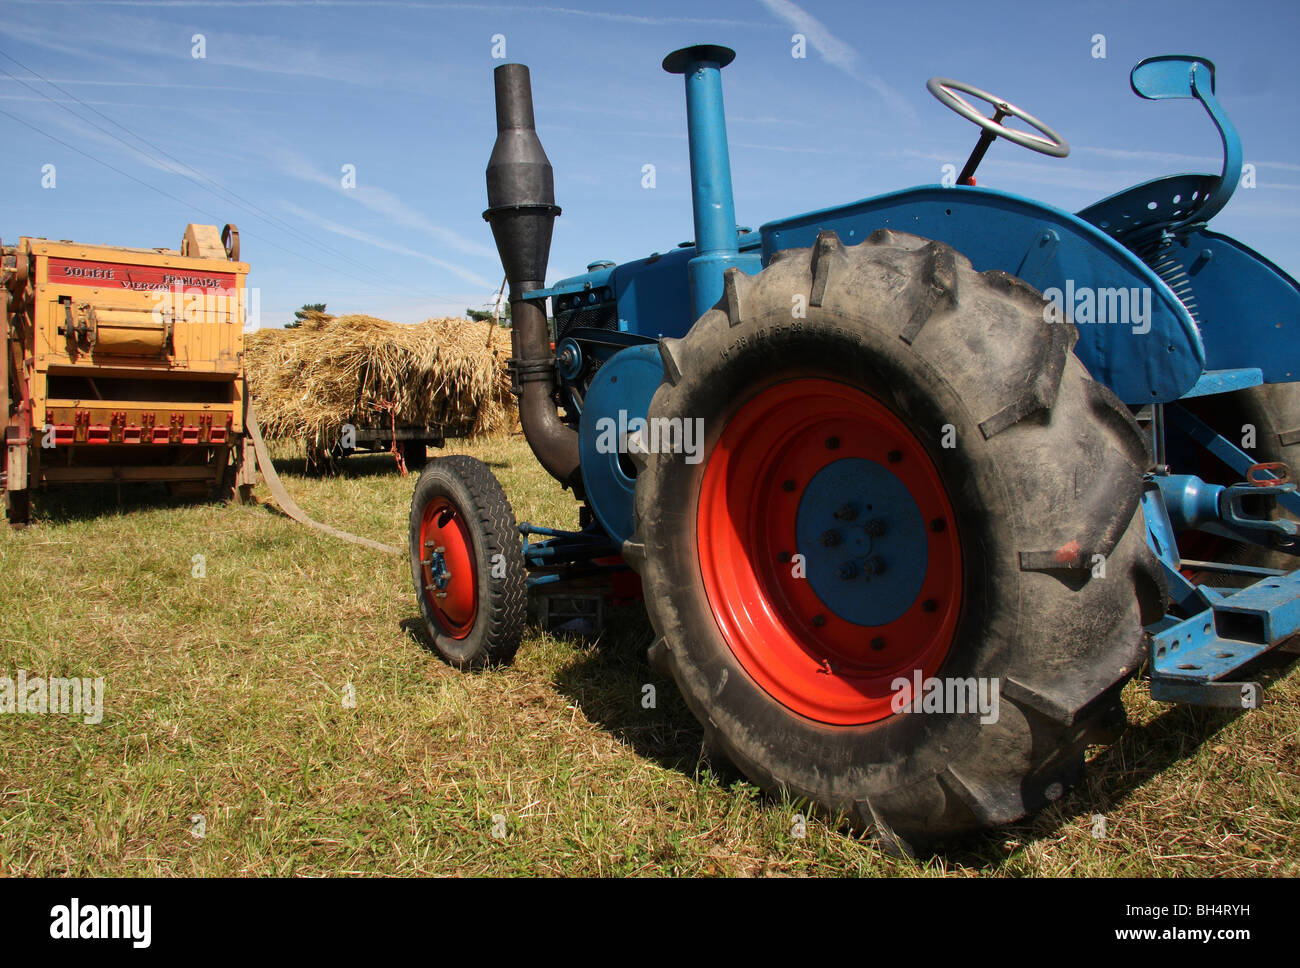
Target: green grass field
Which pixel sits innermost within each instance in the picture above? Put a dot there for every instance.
(228, 698)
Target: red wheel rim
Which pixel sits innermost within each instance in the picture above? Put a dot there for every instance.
(803, 653)
(450, 578)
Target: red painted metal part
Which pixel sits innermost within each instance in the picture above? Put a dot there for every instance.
(117, 432)
(795, 647)
(121, 275)
(442, 526)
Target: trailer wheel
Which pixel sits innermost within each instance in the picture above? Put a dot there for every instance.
(467, 563)
(906, 478)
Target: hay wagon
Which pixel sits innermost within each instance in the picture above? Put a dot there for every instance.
(341, 385)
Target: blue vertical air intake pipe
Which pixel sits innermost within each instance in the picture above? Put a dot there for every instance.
(715, 209)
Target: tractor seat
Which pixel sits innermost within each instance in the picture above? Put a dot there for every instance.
(1144, 212)
(1149, 208)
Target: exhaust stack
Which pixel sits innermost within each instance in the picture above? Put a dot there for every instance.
(522, 211)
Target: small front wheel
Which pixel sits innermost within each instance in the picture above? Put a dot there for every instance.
(467, 563)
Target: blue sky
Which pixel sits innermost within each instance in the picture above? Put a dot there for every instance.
(290, 92)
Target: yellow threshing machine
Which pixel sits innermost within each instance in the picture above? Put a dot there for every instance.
(124, 365)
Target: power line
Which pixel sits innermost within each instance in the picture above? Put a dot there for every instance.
(249, 206)
(175, 198)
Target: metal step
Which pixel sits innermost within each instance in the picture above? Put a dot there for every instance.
(1191, 658)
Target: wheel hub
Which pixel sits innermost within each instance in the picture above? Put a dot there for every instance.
(871, 569)
(448, 568)
(827, 549)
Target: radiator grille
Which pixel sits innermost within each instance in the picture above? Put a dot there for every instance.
(594, 317)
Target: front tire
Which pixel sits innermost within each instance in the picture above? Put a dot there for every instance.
(467, 563)
(929, 416)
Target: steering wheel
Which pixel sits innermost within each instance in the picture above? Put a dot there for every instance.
(947, 91)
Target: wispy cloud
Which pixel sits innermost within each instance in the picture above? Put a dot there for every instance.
(836, 52)
(1215, 163)
(153, 39)
(380, 243)
(242, 110)
(797, 149)
(86, 133)
(1262, 211)
(741, 119)
(482, 8)
(382, 202)
(168, 85)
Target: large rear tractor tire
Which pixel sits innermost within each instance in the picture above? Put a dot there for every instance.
(906, 477)
(467, 563)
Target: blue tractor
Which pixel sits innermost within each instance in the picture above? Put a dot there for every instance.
(913, 485)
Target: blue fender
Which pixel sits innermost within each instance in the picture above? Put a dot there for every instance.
(1153, 354)
(1247, 308)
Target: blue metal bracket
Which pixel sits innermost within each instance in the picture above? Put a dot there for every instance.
(1164, 543)
(1192, 658)
(1038, 260)
(1225, 381)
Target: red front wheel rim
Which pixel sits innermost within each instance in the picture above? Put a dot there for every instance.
(447, 568)
(819, 469)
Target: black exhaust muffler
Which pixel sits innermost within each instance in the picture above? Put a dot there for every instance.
(522, 211)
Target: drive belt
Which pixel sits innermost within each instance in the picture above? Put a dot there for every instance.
(288, 505)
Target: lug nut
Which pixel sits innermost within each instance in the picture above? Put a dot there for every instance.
(875, 565)
(875, 527)
(848, 570)
(830, 539)
(846, 513)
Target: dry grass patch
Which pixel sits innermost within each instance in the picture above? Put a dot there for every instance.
(226, 700)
